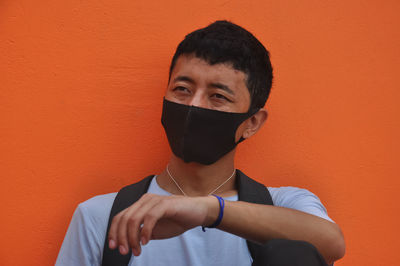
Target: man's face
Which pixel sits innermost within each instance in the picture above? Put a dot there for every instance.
(219, 87)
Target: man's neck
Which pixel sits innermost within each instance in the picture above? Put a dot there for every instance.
(197, 179)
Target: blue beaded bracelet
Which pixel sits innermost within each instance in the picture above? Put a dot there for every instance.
(221, 213)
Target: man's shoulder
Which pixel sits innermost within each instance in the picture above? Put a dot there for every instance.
(289, 190)
(98, 206)
(290, 194)
(83, 243)
(298, 198)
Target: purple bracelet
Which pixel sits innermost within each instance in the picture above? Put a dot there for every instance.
(221, 213)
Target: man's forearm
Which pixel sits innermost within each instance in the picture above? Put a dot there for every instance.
(260, 223)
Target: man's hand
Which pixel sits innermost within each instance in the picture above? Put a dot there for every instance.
(159, 217)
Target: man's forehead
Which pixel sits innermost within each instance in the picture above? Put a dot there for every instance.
(185, 59)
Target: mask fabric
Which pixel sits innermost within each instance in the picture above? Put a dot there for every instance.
(198, 134)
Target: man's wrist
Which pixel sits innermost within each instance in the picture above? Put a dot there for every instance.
(212, 210)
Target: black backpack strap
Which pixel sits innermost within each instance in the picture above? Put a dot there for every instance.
(249, 190)
(254, 192)
(125, 198)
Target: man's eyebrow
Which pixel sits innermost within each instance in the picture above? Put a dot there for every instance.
(183, 78)
(222, 87)
(214, 84)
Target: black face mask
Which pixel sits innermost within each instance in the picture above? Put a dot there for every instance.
(201, 135)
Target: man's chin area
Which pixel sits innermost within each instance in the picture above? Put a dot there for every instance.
(223, 160)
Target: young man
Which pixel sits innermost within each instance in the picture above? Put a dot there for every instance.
(220, 78)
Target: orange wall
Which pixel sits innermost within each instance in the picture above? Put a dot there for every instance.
(81, 86)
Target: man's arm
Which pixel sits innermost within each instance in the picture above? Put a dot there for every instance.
(80, 243)
(156, 217)
(83, 244)
(259, 223)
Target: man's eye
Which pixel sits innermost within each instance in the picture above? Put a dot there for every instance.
(180, 89)
(220, 97)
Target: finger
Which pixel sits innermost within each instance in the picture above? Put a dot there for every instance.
(153, 216)
(112, 233)
(129, 217)
(136, 220)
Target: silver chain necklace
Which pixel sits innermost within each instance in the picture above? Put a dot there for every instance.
(176, 183)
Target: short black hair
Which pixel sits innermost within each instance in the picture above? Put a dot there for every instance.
(225, 42)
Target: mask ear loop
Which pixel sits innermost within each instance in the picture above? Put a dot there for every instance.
(250, 113)
(240, 140)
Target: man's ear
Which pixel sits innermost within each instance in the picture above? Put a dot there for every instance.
(254, 123)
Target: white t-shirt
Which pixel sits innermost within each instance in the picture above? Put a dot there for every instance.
(84, 241)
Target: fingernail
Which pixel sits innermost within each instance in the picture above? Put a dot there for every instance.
(135, 252)
(122, 250)
(111, 244)
(143, 241)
